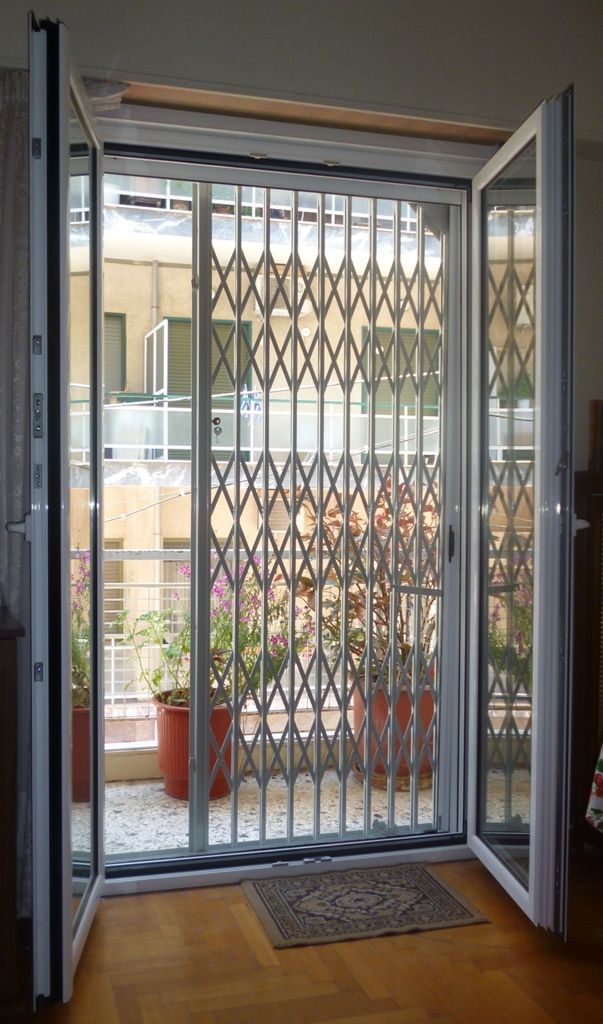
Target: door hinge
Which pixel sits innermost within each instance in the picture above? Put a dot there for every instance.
(563, 463)
(38, 404)
(38, 671)
(22, 526)
(579, 524)
(38, 476)
(36, 344)
(36, 148)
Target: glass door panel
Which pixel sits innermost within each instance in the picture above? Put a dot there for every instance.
(509, 332)
(79, 510)
(147, 432)
(521, 507)
(65, 293)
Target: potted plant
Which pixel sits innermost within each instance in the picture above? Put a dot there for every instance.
(168, 634)
(160, 640)
(510, 636)
(510, 628)
(80, 678)
(394, 626)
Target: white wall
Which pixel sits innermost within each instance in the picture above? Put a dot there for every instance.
(477, 61)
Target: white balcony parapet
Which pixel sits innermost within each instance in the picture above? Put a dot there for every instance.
(159, 429)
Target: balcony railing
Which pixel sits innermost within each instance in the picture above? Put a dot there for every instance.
(152, 429)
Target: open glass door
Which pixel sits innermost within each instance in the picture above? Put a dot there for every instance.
(65, 184)
(520, 507)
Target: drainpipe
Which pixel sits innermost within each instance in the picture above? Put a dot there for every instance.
(154, 321)
(154, 293)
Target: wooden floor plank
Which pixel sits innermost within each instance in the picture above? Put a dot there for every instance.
(202, 957)
(361, 965)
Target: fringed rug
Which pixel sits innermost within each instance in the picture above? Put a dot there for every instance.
(305, 910)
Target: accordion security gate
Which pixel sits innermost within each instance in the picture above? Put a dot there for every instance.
(327, 592)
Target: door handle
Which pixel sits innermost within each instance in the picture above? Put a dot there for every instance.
(451, 543)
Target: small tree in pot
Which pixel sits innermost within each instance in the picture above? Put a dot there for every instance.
(367, 552)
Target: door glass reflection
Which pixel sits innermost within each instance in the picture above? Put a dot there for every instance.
(80, 390)
(509, 340)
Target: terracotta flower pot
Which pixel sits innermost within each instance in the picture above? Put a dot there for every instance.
(80, 754)
(173, 748)
(379, 716)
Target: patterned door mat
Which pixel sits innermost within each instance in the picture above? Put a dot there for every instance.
(303, 910)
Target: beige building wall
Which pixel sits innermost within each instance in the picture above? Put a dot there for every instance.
(143, 517)
(79, 330)
(127, 289)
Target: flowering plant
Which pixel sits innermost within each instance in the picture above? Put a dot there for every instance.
(169, 631)
(250, 630)
(510, 629)
(80, 631)
(378, 547)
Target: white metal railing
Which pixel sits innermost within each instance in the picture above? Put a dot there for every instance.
(159, 429)
(125, 693)
(79, 422)
(510, 429)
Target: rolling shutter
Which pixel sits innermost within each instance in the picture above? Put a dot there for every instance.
(179, 357)
(115, 352)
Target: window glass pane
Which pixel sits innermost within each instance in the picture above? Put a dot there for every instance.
(308, 200)
(509, 340)
(225, 193)
(181, 188)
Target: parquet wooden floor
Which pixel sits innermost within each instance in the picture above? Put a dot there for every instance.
(201, 957)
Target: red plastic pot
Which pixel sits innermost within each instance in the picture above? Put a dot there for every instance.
(80, 754)
(379, 717)
(173, 748)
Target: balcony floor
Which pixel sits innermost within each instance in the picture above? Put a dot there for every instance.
(141, 818)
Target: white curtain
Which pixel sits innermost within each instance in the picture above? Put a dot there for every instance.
(14, 420)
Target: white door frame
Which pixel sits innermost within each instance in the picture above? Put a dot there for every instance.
(543, 900)
(57, 938)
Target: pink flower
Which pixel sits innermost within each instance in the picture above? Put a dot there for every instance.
(598, 784)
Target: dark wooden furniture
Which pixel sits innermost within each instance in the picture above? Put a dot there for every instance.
(12, 979)
(587, 690)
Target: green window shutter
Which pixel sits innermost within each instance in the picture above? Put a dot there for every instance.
(222, 359)
(114, 352)
(408, 366)
(179, 357)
